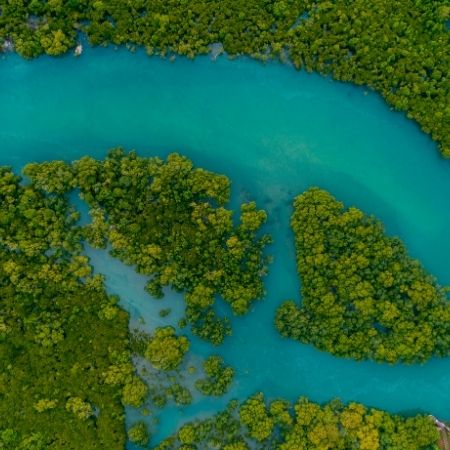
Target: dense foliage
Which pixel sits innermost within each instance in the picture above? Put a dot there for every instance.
(169, 220)
(363, 296)
(158, 357)
(165, 349)
(218, 377)
(61, 336)
(138, 434)
(304, 426)
(399, 48)
(66, 368)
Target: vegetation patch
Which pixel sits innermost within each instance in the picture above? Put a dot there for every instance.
(363, 296)
(256, 423)
(65, 363)
(69, 365)
(218, 377)
(66, 366)
(169, 220)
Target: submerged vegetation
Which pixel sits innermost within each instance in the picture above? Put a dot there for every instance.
(363, 296)
(304, 426)
(399, 49)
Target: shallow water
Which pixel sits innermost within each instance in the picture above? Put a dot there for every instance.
(274, 132)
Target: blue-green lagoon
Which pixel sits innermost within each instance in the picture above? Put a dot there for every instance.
(274, 132)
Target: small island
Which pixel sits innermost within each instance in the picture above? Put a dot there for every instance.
(363, 296)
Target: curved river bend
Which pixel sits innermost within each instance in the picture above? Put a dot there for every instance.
(274, 132)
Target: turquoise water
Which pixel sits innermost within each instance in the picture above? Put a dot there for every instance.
(274, 132)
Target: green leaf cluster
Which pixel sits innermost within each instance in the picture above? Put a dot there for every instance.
(138, 434)
(306, 425)
(218, 431)
(218, 377)
(254, 415)
(165, 349)
(180, 394)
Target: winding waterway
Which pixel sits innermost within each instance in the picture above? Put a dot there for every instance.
(274, 132)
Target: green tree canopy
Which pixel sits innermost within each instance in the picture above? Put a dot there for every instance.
(363, 296)
(306, 425)
(218, 377)
(169, 220)
(165, 349)
(59, 330)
